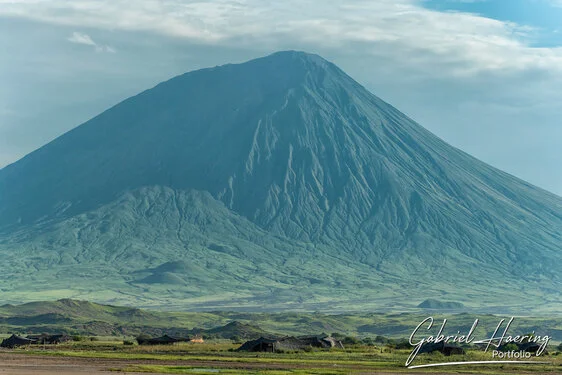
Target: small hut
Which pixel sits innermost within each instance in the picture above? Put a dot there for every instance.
(531, 347)
(289, 344)
(15, 341)
(197, 339)
(260, 345)
(163, 340)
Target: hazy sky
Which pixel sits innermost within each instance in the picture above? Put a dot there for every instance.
(485, 76)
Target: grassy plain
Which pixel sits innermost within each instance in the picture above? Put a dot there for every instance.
(101, 330)
(220, 357)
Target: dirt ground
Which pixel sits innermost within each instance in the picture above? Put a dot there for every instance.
(38, 365)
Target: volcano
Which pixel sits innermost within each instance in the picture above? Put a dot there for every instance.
(280, 183)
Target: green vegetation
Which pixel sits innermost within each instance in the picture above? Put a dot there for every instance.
(85, 319)
(371, 341)
(218, 356)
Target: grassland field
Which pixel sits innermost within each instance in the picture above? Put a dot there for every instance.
(220, 357)
(374, 342)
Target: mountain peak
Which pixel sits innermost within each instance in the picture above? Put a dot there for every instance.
(292, 57)
(273, 74)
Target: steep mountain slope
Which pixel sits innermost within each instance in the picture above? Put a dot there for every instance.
(157, 246)
(252, 179)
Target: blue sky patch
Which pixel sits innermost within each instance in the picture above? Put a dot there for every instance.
(542, 15)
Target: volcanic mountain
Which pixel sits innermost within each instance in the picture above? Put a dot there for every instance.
(278, 182)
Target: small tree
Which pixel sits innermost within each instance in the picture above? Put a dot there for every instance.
(348, 340)
(142, 338)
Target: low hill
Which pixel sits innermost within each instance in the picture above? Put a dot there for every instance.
(440, 305)
(85, 318)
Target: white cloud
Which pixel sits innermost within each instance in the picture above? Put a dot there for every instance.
(81, 38)
(466, 43)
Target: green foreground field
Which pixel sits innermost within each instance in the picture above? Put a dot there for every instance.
(374, 342)
(220, 357)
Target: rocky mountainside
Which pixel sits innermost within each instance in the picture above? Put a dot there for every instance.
(280, 181)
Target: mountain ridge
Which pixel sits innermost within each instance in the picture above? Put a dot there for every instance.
(290, 149)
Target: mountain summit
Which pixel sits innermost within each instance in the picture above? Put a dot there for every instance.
(279, 181)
